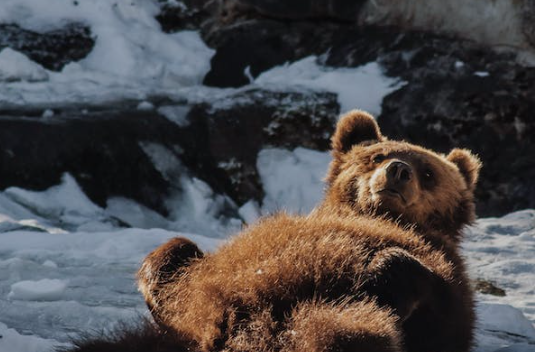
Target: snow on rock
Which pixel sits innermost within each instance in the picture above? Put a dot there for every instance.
(175, 113)
(64, 205)
(15, 66)
(40, 290)
(132, 58)
(362, 87)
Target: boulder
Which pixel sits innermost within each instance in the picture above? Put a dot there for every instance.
(53, 49)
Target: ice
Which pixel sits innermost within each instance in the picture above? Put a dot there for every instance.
(362, 87)
(292, 180)
(40, 290)
(15, 66)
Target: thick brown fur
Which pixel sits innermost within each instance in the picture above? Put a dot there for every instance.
(375, 267)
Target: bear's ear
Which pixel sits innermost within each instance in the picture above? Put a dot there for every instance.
(353, 128)
(468, 164)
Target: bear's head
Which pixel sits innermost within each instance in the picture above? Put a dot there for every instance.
(398, 180)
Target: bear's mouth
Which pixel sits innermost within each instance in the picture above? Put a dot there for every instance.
(392, 193)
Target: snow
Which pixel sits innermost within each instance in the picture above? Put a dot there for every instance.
(175, 113)
(12, 341)
(362, 87)
(292, 180)
(15, 66)
(134, 60)
(40, 290)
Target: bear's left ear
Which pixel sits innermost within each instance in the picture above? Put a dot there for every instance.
(353, 128)
(468, 164)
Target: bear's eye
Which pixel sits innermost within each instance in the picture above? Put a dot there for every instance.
(428, 175)
(379, 158)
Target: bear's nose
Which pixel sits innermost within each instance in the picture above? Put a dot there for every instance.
(399, 172)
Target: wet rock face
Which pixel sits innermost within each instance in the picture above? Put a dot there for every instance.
(52, 49)
(105, 148)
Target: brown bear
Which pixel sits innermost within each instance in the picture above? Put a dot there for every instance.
(375, 267)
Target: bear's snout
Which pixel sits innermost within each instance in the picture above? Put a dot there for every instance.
(398, 173)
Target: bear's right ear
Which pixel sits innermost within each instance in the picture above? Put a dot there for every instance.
(355, 127)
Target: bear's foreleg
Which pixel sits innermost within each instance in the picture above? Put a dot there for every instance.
(400, 281)
(163, 265)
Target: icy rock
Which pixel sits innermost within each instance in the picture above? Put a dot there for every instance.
(15, 66)
(40, 290)
(54, 48)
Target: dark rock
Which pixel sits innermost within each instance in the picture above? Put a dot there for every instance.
(101, 150)
(174, 16)
(105, 148)
(52, 49)
(260, 45)
(337, 10)
(488, 288)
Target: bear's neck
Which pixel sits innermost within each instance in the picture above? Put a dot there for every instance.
(444, 235)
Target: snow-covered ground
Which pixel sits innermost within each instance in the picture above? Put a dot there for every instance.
(66, 268)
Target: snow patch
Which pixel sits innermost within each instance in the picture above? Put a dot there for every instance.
(292, 180)
(362, 87)
(15, 66)
(40, 290)
(175, 113)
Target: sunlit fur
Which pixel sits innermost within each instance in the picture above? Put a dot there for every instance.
(360, 273)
